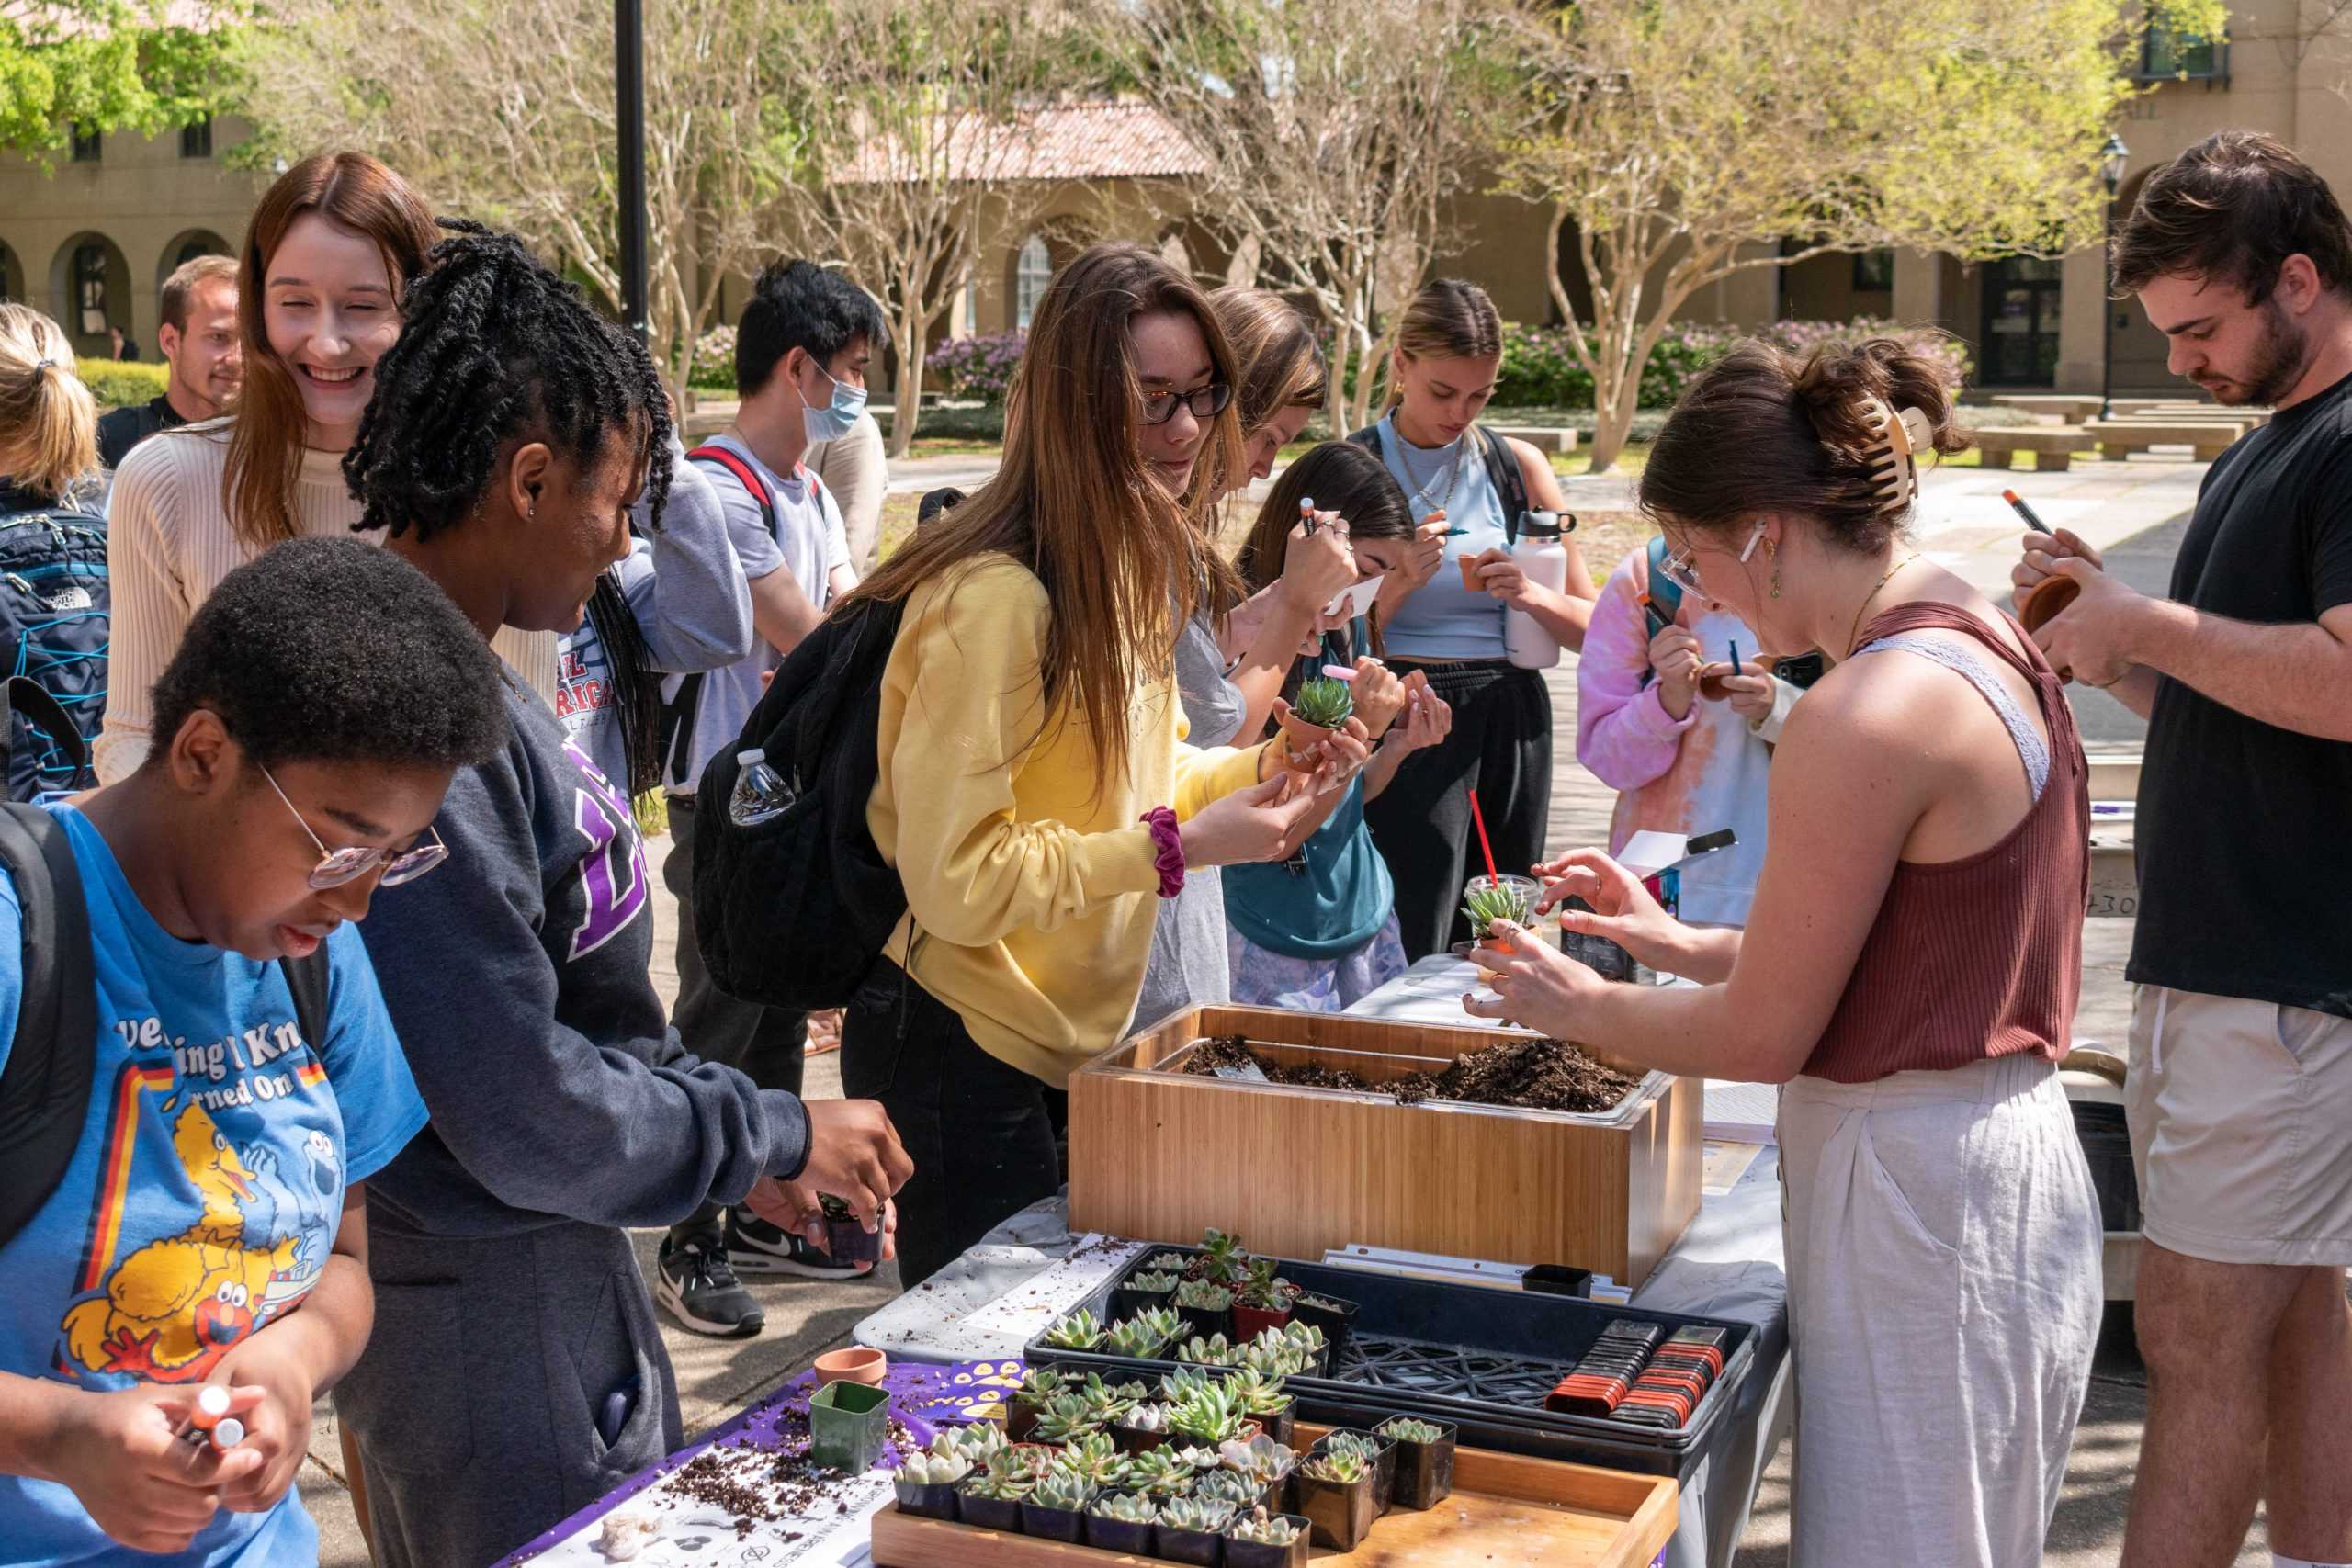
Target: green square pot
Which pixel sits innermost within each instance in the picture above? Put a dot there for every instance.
(848, 1424)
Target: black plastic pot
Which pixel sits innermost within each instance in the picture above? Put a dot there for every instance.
(1206, 1322)
(1019, 1417)
(1253, 1554)
(1119, 1535)
(1054, 1524)
(1424, 1473)
(1334, 1324)
(1384, 1463)
(1127, 1301)
(1278, 1425)
(1128, 1441)
(1341, 1512)
(1202, 1549)
(935, 1500)
(989, 1513)
(846, 1241)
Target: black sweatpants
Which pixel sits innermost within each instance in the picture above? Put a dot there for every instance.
(476, 1401)
(982, 1133)
(768, 1046)
(1500, 745)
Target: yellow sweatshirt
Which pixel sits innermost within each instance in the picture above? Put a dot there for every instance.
(1032, 893)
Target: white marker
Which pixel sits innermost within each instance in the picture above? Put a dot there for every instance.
(1306, 511)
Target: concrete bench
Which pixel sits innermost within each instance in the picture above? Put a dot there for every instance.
(2053, 447)
(2245, 419)
(2047, 405)
(2121, 438)
(1542, 437)
(2184, 408)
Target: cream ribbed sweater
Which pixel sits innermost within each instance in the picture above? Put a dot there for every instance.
(168, 543)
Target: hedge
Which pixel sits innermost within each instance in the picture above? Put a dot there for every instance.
(1541, 368)
(118, 383)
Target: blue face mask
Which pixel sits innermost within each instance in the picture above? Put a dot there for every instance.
(837, 418)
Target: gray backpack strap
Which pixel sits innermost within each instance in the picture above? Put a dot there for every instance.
(45, 1089)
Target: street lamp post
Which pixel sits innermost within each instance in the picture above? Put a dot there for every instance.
(628, 82)
(2111, 161)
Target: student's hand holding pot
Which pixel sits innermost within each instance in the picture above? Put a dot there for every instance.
(123, 1457)
(1674, 655)
(853, 1154)
(1622, 910)
(1318, 567)
(1535, 985)
(2039, 556)
(794, 1207)
(1750, 690)
(1422, 559)
(1379, 697)
(2093, 639)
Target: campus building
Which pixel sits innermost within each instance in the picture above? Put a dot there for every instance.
(92, 240)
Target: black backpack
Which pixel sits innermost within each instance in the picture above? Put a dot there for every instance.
(45, 1089)
(793, 912)
(54, 610)
(1502, 470)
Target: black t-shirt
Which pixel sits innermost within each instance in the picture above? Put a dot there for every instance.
(2245, 830)
(124, 428)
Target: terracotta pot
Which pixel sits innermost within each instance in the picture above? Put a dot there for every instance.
(859, 1363)
(2041, 606)
(1301, 735)
(1471, 581)
(1248, 1322)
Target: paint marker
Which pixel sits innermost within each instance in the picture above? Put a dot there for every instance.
(1307, 514)
(1340, 671)
(211, 1420)
(2036, 523)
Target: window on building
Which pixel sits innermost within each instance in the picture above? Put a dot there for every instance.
(90, 289)
(2167, 55)
(196, 139)
(1873, 271)
(1030, 275)
(193, 249)
(87, 147)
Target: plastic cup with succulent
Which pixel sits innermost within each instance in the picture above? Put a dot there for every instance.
(1189, 1528)
(1204, 1295)
(1265, 1398)
(1148, 1288)
(975, 1442)
(1258, 1540)
(1355, 1443)
(1322, 705)
(1065, 1418)
(1379, 1453)
(925, 1482)
(1260, 1529)
(1138, 1339)
(1485, 899)
(1229, 1486)
(1130, 1513)
(1283, 1360)
(1214, 1352)
(1305, 1338)
(1262, 1460)
(1158, 1471)
(1174, 1385)
(992, 1498)
(1424, 1460)
(1056, 1506)
(1336, 1492)
(1162, 1320)
(1082, 1330)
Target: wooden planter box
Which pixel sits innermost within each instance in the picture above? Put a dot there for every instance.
(1162, 1155)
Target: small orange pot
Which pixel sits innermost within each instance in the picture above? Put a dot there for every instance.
(2049, 598)
(858, 1364)
(1301, 736)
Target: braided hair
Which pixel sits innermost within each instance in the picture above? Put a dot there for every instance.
(496, 349)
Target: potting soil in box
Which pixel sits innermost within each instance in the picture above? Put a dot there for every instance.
(1477, 1358)
(1533, 1075)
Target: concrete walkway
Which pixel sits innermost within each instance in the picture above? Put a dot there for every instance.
(1965, 524)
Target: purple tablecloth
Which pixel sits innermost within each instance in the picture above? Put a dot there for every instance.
(923, 1397)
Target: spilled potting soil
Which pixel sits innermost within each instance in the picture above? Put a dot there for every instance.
(1536, 1074)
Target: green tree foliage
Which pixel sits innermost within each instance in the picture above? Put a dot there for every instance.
(107, 65)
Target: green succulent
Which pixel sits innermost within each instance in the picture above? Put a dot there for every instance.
(1211, 1352)
(1325, 703)
(1198, 1459)
(933, 1469)
(1303, 1337)
(1208, 1415)
(1321, 1303)
(1038, 1385)
(1135, 1339)
(1066, 1416)
(1164, 1321)
(1259, 1394)
(1142, 1418)
(1082, 1330)
(1127, 1507)
(1221, 1260)
(1258, 1529)
(1283, 1360)
(1497, 901)
(1094, 1456)
(1154, 1282)
(1107, 1400)
(999, 1486)
(976, 1442)
(1204, 1295)
(1166, 1263)
(1206, 1515)
(1063, 1488)
(1158, 1471)
(1342, 1466)
(1405, 1429)
(1261, 1460)
(1175, 1385)
(1264, 1290)
(1029, 1460)
(1362, 1447)
(1228, 1486)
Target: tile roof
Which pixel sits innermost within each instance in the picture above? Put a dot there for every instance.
(1067, 141)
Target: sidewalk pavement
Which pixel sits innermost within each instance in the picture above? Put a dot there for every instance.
(1965, 524)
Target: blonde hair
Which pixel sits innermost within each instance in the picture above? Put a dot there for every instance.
(1446, 319)
(1281, 365)
(49, 421)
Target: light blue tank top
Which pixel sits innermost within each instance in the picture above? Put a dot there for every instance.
(1442, 619)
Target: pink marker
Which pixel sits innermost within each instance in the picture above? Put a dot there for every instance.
(1340, 671)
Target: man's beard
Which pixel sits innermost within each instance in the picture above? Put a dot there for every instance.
(2279, 362)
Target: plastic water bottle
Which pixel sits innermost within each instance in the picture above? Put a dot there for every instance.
(760, 794)
(1539, 553)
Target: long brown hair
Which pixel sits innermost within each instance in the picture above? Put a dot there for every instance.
(1123, 563)
(1281, 365)
(352, 191)
(49, 421)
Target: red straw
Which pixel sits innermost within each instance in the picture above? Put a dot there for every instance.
(1479, 818)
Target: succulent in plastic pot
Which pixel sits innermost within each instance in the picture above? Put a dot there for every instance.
(1487, 899)
(1159, 1472)
(1424, 1461)
(846, 1238)
(1308, 1341)
(1189, 1529)
(1263, 1302)
(1122, 1521)
(1259, 1539)
(1214, 1352)
(1110, 1400)
(1056, 1506)
(1065, 1417)
(1230, 1487)
(1142, 1429)
(1138, 1338)
(1267, 1401)
(1332, 1314)
(1263, 1462)
(1222, 1258)
(1378, 1452)
(1082, 1330)
(1200, 1458)
(926, 1481)
(1094, 1456)
(991, 1498)
(1208, 1414)
(1205, 1306)
(1039, 1387)
(1148, 1288)
(979, 1441)
(1336, 1496)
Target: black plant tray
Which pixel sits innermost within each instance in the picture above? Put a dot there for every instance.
(1479, 1358)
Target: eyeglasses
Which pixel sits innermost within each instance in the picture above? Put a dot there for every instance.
(1680, 568)
(1158, 408)
(338, 867)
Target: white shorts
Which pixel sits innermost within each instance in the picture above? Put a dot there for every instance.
(2241, 1116)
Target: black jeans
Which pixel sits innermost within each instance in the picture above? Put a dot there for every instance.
(981, 1132)
(768, 1046)
(1501, 746)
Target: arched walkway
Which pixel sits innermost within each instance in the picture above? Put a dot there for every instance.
(89, 287)
(185, 247)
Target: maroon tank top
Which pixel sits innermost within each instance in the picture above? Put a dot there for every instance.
(1980, 957)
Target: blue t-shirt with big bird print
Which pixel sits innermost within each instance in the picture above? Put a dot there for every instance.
(203, 1200)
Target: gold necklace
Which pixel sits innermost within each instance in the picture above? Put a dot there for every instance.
(1855, 631)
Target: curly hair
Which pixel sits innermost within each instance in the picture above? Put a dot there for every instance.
(332, 650)
(496, 349)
